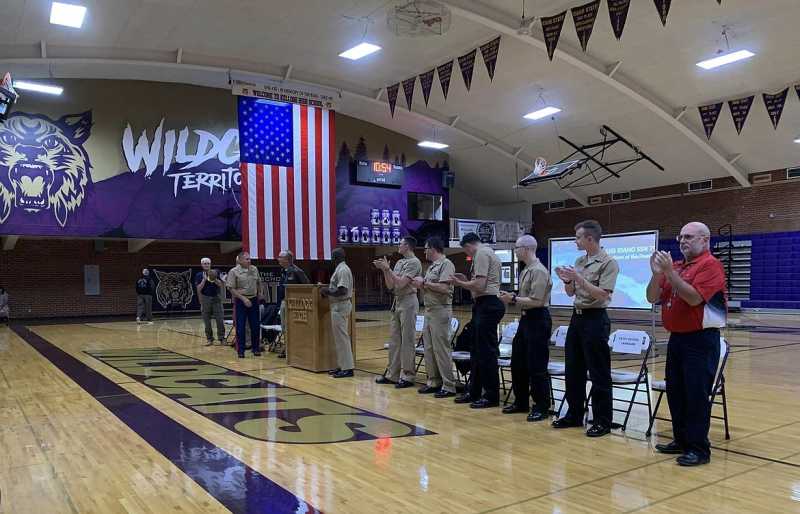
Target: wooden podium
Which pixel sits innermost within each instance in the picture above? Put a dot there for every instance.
(309, 337)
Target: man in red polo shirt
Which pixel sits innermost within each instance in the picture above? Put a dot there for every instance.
(693, 308)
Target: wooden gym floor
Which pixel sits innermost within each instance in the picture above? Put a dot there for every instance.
(89, 424)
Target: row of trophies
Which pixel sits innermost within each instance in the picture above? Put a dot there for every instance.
(385, 229)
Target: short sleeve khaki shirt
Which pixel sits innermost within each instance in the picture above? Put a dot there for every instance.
(409, 267)
(246, 279)
(342, 277)
(535, 283)
(599, 270)
(485, 263)
(439, 271)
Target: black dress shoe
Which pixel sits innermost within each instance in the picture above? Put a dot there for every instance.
(384, 380)
(691, 458)
(334, 371)
(241, 355)
(535, 415)
(282, 355)
(514, 409)
(343, 373)
(598, 430)
(463, 398)
(483, 403)
(443, 394)
(426, 389)
(257, 354)
(671, 448)
(566, 422)
(402, 384)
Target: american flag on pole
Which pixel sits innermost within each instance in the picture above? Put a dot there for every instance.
(288, 179)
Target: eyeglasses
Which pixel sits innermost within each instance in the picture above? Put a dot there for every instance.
(687, 237)
(521, 247)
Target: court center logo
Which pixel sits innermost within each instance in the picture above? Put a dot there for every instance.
(174, 290)
(43, 164)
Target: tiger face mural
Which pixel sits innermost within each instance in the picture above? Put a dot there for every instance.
(43, 164)
(174, 290)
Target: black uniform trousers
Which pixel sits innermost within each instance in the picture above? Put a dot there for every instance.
(587, 350)
(692, 361)
(530, 354)
(486, 315)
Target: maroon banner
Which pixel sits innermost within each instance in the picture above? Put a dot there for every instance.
(618, 12)
(663, 9)
(583, 17)
(426, 81)
(740, 108)
(467, 64)
(408, 90)
(391, 93)
(709, 115)
(445, 71)
(774, 104)
(489, 53)
(551, 29)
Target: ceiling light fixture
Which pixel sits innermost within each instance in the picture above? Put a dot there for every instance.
(542, 113)
(359, 51)
(69, 15)
(722, 60)
(797, 140)
(432, 144)
(39, 88)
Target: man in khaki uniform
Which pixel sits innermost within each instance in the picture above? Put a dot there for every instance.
(591, 282)
(437, 293)
(244, 284)
(530, 350)
(404, 314)
(487, 311)
(339, 293)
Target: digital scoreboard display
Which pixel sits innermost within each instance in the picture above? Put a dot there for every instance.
(379, 173)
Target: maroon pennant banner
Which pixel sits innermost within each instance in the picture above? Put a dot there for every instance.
(408, 90)
(489, 53)
(709, 115)
(740, 108)
(663, 9)
(551, 28)
(426, 81)
(774, 104)
(583, 17)
(391, 93)
(467, 64)
(618, 12)
(445, 71)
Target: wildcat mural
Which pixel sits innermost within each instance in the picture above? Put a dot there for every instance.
(174, 290)
(43, 164)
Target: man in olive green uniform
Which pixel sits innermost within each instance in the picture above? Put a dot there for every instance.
(530, 350)
(244, 284)
(591, 282)
(340, 293)
(404, 314)
(437, 293)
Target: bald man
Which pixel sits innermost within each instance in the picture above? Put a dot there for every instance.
(693, 308)
(530, 351)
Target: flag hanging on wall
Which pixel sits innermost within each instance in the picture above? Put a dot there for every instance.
(551, 28)
(583, 17)
(467, 64)
(489, 53)
(618, 12)
(663, 10)
(426, 81)
(445, 71)
(774, 104)
(740, 108)
(391, 94)
(288, 179)
(709, 115)
(408, 90)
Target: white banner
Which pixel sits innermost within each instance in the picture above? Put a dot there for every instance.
(288, 92)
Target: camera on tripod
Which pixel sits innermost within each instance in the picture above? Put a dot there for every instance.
(8, 97)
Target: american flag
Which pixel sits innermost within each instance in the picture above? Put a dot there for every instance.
(288, 179)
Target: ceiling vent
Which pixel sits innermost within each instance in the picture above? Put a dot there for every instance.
(621, 196)
(702, 185)
(763, 178)
(557, 205)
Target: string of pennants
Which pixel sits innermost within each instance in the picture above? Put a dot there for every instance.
(740, 109)
(583, 16)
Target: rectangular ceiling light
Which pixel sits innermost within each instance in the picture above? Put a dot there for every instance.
(797, 140)
(39, 88)
(722, 60)
(69, 15)
(432, 144)
(542, 113)
(359, 51)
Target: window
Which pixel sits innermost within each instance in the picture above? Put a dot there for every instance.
(424, 206)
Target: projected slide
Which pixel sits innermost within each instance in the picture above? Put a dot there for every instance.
(632, 252)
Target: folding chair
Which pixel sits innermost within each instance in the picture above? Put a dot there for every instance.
(556, 369)
(504, 356)
(277, 344)
(717, 391)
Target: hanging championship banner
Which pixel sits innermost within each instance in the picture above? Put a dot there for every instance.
(489, 53)
(445, 71)
(287, 92)
(709, 115)
(391, 93)
(740, 108)
(663, 10)
(583, 17)
(408, 90)
(467, 64)
(551, 28)
(426, 81)
(774, 104)
(618, 12)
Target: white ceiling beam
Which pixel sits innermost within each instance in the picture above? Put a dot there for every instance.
(679, 113)
(735, 158)
(288, 72)
(507, 25)
(614, 68)
(136, 245)
(380, 93)
(455, 120)
(9, 242)
(43, 48)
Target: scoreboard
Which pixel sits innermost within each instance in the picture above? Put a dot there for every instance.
(379, 173)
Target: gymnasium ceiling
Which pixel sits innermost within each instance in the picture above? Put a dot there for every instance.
(655, 78)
